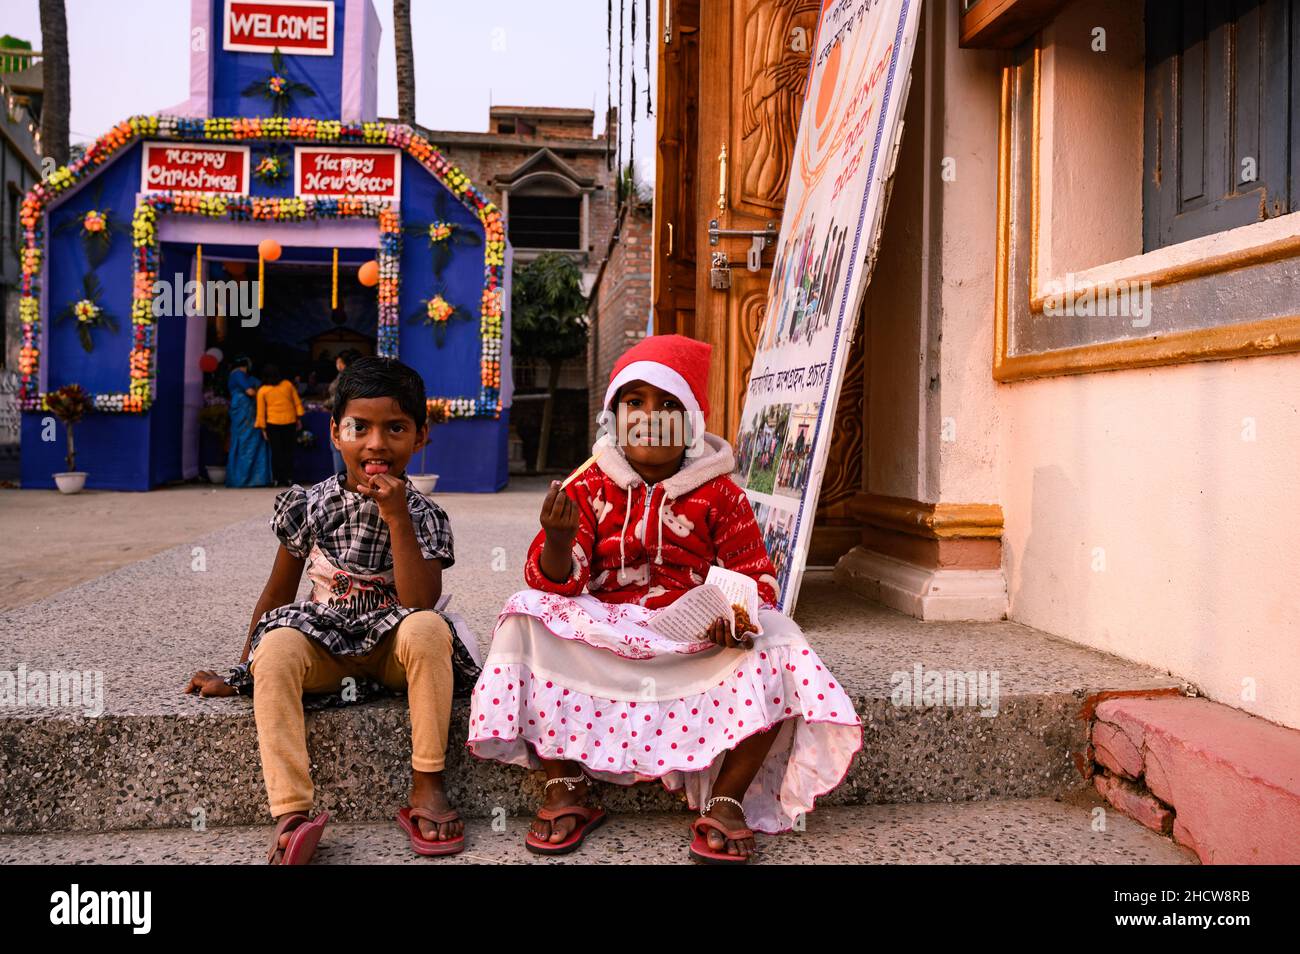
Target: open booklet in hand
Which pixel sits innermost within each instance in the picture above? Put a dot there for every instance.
(724, 594)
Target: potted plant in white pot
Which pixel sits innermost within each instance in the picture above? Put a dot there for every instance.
(69, 404)
(215, 419)
(424, 481)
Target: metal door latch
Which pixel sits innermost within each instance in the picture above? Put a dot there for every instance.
(760, 239)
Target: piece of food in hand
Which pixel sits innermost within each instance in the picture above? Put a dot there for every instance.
(743, 623)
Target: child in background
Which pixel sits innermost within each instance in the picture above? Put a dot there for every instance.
(754, 728)
(279, 418)
(374, 549)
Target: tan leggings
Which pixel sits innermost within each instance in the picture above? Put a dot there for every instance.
(287, 663)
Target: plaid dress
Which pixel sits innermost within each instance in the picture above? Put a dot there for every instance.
(354, 602)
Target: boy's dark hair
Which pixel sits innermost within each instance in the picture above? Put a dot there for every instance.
(242, 361)
(369, 377)
(271, 374)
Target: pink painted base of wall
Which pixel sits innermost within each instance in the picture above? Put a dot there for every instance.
(1232, 780)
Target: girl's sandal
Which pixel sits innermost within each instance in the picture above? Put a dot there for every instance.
(700, 850)
(304, 835)
(407, 816)
(589, 819)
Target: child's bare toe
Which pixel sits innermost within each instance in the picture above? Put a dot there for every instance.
(562, 828)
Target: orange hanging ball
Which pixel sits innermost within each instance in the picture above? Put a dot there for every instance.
(269, 249)
(368, 274)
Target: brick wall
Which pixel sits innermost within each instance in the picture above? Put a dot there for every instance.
(620, 303)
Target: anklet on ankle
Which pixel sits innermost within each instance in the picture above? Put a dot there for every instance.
(569, 783)
(722, 798)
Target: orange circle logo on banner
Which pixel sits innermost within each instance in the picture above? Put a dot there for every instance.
(269, 249)
(368, 274)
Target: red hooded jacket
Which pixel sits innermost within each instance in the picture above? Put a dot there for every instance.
(648, 545)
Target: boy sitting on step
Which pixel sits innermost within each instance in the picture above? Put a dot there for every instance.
(374, 549)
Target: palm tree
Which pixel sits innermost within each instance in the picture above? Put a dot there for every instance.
(56, 98)
(405, 61)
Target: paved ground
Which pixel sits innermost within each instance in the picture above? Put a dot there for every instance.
(148, 624)
(1029, 831)
(69, 538)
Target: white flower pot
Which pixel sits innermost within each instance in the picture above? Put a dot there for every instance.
(424, 483)
(216, 474)
(71, 481)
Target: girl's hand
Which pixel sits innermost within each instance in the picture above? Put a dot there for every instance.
(559, 517)
(262, 431)
(390, 493)
(205, 683)
(720, 634)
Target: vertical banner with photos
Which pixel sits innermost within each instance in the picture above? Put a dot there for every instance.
(847, 144)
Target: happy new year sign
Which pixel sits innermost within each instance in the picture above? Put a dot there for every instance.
(328, 172)
(194, 168)
(303, 27)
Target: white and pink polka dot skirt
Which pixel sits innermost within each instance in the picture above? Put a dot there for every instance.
(579, 679)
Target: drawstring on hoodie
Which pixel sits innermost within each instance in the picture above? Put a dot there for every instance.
(622, 537)
(659, 550)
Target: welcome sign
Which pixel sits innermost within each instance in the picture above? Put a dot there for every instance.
(302, 27)
(848, 139)
(330, 172)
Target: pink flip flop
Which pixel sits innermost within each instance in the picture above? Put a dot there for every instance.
(304, 836)
(701, 851)
(423, 846)
(589, 820)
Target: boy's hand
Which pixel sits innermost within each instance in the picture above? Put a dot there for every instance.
(559, 518)
(390, 493)
(206, 683)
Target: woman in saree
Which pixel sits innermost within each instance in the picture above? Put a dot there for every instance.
(250, 455)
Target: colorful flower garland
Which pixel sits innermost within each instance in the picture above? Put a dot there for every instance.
(265, 129)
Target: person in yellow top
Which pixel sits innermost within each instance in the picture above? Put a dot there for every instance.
(279, 418)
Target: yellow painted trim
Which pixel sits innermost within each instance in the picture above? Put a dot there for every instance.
(1279, 335)
(941, 521)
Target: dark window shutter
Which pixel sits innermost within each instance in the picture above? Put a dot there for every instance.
(1220, 105)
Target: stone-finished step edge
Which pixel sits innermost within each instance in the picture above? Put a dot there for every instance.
(160, 771)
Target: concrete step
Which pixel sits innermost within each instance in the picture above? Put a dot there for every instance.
(155, 758)
(1026, 831)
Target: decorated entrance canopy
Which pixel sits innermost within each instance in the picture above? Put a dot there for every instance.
(277, 146)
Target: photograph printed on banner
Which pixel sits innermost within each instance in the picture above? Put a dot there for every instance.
(766, 441)
(778, 533)
(795, 459)
(805, 280)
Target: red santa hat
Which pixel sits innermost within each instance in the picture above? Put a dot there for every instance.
(673, 363)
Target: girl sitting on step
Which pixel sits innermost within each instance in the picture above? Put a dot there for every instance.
(754, 728)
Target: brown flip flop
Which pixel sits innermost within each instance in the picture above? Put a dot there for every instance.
(589, 820)
(423, 846)
(304, 836)
(701, 851)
